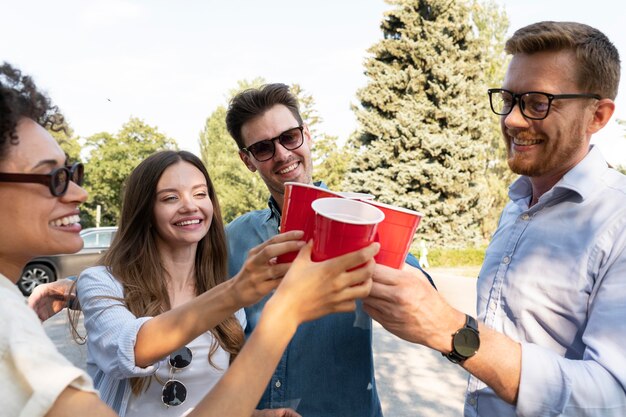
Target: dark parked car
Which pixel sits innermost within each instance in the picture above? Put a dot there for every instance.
(45, 269)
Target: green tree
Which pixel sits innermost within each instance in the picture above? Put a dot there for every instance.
(492, 24)
(66, 138)
(238, 190)
(423, 119)
(330, 159)
(112, 158)
(69, 142)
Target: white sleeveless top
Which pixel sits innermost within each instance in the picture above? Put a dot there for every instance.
(198, 377)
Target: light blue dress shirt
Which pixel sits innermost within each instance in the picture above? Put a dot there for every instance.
(328, 368)
(554, 279)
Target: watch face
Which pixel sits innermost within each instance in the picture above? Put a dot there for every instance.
(466, 342)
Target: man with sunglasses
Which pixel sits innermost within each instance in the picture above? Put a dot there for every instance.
(327, 370)
(551, 293)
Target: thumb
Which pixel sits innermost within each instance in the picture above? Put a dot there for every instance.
(305, 252)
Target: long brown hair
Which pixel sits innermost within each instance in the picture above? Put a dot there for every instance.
(134, 260)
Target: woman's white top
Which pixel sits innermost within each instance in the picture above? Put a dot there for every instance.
(112, 332)
(198, 377)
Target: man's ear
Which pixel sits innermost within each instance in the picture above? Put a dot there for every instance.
(246, 160)
(601, 116)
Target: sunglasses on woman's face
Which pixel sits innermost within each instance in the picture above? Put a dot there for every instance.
(174, 392)
(58, 180)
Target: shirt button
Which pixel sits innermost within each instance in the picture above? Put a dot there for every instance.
(525, 216)
(472, 401)
(277, 384)
(506, 260)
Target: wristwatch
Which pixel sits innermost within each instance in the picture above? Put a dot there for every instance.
(465, 342)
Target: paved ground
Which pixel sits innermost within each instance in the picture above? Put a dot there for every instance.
(412, 381)
(416, 381)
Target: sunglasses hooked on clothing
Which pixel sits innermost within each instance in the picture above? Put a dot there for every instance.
(174, 392)
(264, 150)
(58, 180)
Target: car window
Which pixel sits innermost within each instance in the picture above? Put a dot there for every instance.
(97, 239)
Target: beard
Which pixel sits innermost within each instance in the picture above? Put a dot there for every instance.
(555, 153)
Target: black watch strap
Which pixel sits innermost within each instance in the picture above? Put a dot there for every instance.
(468, 336)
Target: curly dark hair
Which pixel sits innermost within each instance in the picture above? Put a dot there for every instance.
(20, 98)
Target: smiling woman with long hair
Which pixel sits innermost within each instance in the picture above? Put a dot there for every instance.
(162, 322)
(169, 249)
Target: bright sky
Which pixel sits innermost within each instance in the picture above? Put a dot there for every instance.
(172, 63)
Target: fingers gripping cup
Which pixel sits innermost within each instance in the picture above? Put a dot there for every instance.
(395, 234)
(343, 226)
(297, 211)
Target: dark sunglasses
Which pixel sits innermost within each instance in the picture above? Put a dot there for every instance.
(264, 150)
(174, 392)
(58, 180)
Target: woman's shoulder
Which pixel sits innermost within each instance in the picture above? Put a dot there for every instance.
(97, 272)
(97, 276)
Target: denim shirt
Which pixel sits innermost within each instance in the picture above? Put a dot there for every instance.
(554, 280)
(327, 369)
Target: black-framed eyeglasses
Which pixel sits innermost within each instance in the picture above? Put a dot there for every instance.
(534, 105)
(264, 150)
(58, 180)
(174, 392)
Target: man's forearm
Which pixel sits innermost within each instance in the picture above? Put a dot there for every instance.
(498, 363)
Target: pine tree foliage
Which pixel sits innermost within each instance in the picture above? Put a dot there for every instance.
(424, 118)
(492, 24)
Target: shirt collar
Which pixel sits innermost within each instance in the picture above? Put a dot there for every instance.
(582, 179)
(7, 284)
(273, 205)
(274, 209)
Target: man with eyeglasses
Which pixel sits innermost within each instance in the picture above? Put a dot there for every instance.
(327, 370)
(552, 289)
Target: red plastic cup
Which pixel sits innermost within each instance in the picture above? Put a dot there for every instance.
(297, 212)
(343, 226)
(355, 196)
(395, 233)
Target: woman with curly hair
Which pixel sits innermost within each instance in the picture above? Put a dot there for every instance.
(40, 195)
